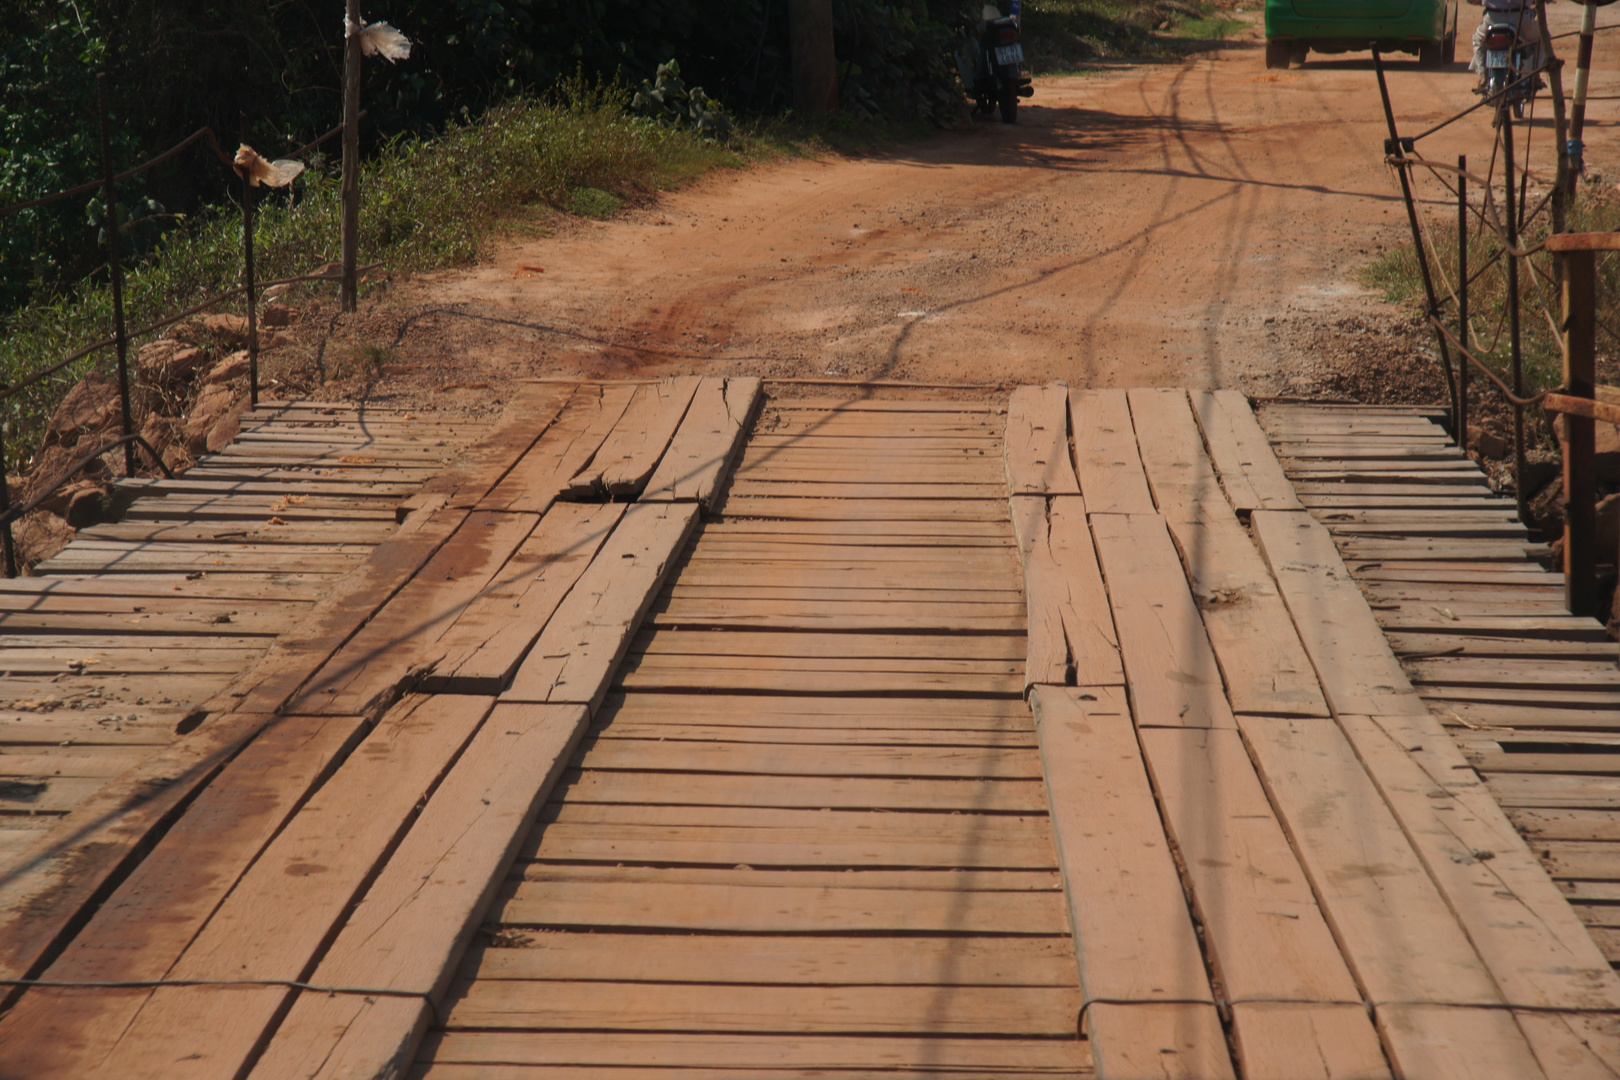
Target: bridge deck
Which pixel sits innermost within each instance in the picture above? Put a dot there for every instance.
(917, 738)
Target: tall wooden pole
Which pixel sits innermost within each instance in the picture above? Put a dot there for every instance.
(1583, 71)
(115, 273)
(815, 67)
(350, 287)
(1580, 481)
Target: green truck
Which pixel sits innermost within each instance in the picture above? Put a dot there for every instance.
(1425, 27)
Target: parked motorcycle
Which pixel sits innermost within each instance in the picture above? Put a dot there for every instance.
(992, 69)
(1508, 58)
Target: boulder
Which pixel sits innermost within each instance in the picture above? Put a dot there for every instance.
(51, 466)
(278, 315)
(90, 410)
(228, 328)
(227, 427)
(1540, 468)
(1546, 511)
(158, 431)
(1488, 444)
(233, 366)
(39, 536)
(211, 406)
(1605, 438)
(169, 360)
(81, 503)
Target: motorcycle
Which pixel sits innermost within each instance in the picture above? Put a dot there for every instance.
(992, 70)
(1509, 61)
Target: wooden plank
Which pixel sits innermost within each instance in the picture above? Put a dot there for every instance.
(573, 659)
(720, 707)
(1044, 1012)
(1262, 927)
(854, 616)
(799, 487)
(908, 792)
(1171, 669)
(713, 643)
(412, 928)
(404, 639)
(1071, 635)
(853, 510)
(558, 451)
(1264, 665)
(631, 451)
(705, 445)
(799, 961)
(1105, 455)
(168, 898)
(786, 909)
(917, 762)
(818, 846)
(955, 879)
(776, 680)
(490, 637)
(1358, 672)
(976, 1056)
(285, 908)
(1134, 937)
(1249, 471)
(1037, 443)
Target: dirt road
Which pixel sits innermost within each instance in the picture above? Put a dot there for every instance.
(1186, 223)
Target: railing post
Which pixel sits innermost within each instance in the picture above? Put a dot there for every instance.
(115, 269)
(6, 541)
(1504, 112)
(1580, 478)
(247, 279)
(1462, 302)
(349, 289)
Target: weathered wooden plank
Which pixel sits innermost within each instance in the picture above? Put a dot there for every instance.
(1169, 665)
(907, 792)
(489, 638)
(918, 762)
(573, 659)
(288, 904)
(1071, 634)
(1105, 455)
(703, 448)
(168, 898)
(632, 450)
(1262, 926)
(1259, 652)
(1242, 454)
(1133, 934)
(419, 916)
(557, 451)
(1037, 444)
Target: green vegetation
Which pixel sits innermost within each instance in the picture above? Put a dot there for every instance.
(1398, 276)
(1061, 35)
(428, 203)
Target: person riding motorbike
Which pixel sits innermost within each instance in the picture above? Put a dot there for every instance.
(1498, 13)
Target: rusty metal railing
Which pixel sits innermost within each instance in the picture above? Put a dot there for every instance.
(121, 335)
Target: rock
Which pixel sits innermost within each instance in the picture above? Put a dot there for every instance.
(225, 430)
(39, 536)
(1488, 444)
(229, 328)
(51, 467)
(90, 409)
(211, 406)
(158, 431)
(167, 361)
(1608, 527)
(1605, 438)
(277, 315)
(1546, 511)
(233, 366)
(1540, 466)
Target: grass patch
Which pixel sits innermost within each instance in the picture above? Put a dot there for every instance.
(1398, 276)
(426, 204)
(1062, 35)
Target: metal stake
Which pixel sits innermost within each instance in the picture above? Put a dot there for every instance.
(1393, 147)
(349, 288)
(1521, 496)
(247, 276)
(115, 269)
(1462, 300)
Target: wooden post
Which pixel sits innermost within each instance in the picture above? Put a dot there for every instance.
(247, 280)
(1580, 479)
(1504, 113)
(349, 289)
(815, 67)
(1462, 302)
(115, 273)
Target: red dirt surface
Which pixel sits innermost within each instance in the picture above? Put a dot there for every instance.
(1200, 223)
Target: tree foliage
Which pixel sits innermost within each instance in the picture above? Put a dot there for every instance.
(176, 65)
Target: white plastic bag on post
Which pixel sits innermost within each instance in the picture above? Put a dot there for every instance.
(379, 39)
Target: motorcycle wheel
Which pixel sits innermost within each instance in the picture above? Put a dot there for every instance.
(1007, 95)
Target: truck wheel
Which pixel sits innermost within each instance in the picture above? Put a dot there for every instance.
(1277, 54)
(1448, 51)
(1431, 55)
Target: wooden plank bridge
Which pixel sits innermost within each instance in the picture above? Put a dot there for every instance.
(671, 730)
